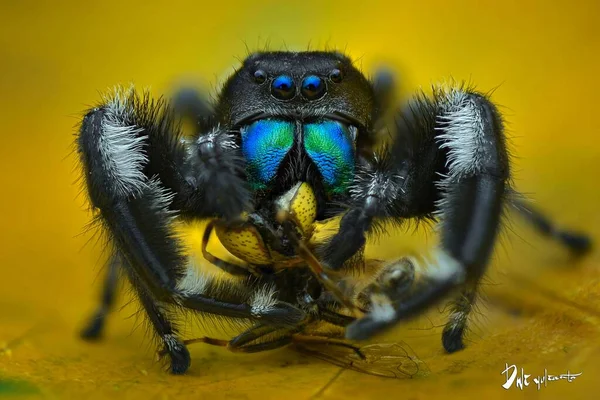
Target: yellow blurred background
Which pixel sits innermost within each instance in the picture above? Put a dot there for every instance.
(543, 58)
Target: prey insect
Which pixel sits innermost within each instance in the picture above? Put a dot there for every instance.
(387, 360)
(294, 140)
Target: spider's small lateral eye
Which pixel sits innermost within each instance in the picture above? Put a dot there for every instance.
(260, 76)
(283, 87)
(336, 75)
(313, 87)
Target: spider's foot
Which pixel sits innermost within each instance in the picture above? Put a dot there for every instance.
(578, 243)
(94, 328)
(452, 338)
(179, 355)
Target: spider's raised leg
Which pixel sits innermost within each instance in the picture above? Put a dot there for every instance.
(139, 174)
(384, 88)
(193, 108)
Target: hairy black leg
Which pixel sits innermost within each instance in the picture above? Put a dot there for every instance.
(161, 266)
(165, 330)
(451, 155)
(94, 327)
(216, 184)
(481, 218)
(576, 242)
(455, 328)
(130, 138)
(357, 221)
(350, 238)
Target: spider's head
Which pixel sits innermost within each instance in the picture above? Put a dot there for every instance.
(302, 86)
(296, 111)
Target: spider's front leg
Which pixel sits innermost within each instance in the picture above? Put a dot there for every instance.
(449, 160)
(140, 175)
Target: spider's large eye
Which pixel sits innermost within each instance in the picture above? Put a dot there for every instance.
(283, 88)
(260, 76)
(336, 75)
(313, 87)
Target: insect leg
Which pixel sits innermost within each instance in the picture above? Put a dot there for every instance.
(391, 284)
(256, 339)
(95, 325)
(264, 337)
(324, 276)
(333, 317)
(328, 341)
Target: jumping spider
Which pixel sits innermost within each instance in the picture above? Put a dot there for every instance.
(292, 141)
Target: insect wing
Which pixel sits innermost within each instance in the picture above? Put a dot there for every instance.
(389, 360)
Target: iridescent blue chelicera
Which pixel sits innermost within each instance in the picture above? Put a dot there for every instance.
(329, 145)
(264, 145)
